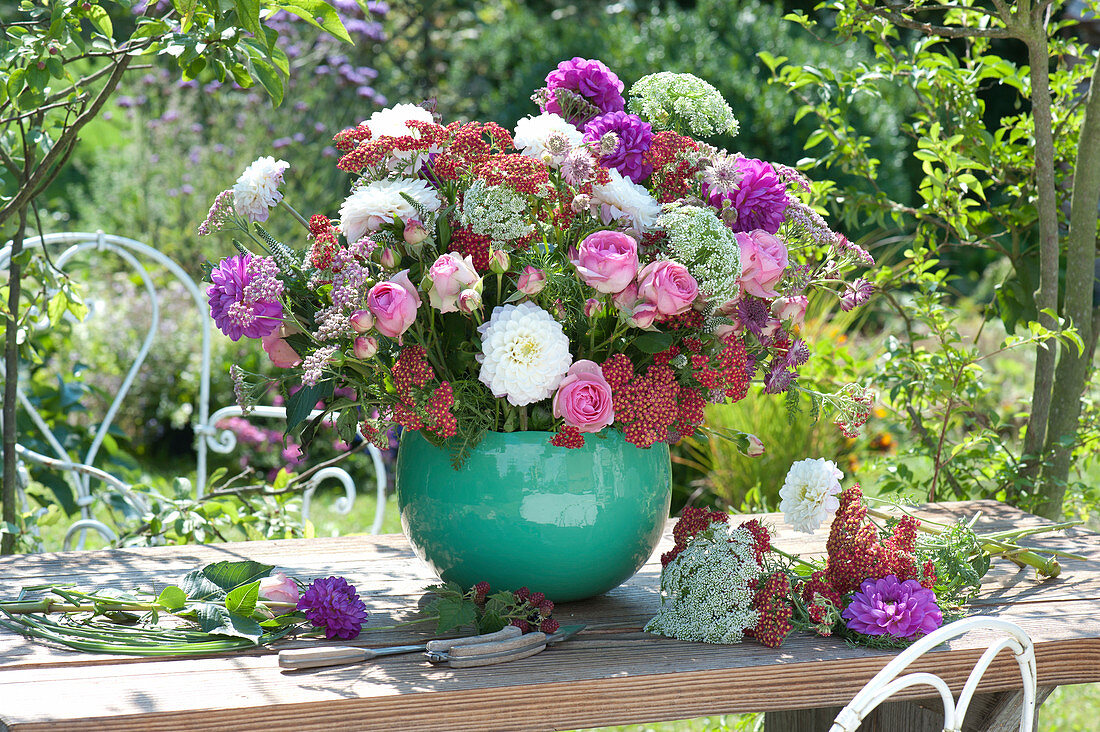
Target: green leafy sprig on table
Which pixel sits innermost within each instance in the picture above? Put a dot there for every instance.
(455, 608)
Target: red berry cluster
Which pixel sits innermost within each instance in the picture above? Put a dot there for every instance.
(773, 605)
(567, 436)
(519, 172)
(647, 406)
(856, 552)
(692, 520)
(476, 246)
(673, 172)
(411, 372)
(535, 610)
(324, 247)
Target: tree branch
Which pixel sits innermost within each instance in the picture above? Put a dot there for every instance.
(943, 31)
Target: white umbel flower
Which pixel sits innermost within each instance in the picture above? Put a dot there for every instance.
(532, 134)
(525, 354)
(375, 204)
(394, 122)
(622, 197)
(257, 190)
(809, 493)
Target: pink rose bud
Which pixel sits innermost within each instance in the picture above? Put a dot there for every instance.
(531, 281)
(756, 447)
(278, 350)
(394, 304)
(365, 347)
(643, 316)
(415, 232)
(792, 308)
(726, 330)
(361, 321)
(390, 259)
(669, 286)
(450, 275)
(763, 260)
(591, 307)
(278, 588)
(606, 260)
(469, 301)
(628, 298)
(499, 261)
(583, 399)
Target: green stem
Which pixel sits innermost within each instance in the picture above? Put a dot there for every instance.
(295, 214)
(795, 558)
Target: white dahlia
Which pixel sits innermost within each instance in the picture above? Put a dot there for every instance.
(375, 204)
(394, 122)
(532, 134)
(809, 493)
(257, 190)
(525, 354)
(622, 197)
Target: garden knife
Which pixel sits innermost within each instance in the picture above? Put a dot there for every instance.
(501, 651)
(301, 658)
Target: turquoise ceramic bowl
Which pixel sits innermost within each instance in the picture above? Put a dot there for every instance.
(570, 523)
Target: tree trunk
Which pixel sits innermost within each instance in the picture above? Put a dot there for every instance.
(1074, 365)
(11, 372)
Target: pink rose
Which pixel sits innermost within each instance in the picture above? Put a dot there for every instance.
(606, 260)
(583, 398)
(394, 304)
(669, 286)
(361, 321)
(643, 315)
(469, 301)
(389, 258)
(531, 281)
(626, 299)
(281, 354)
(591, 307)
(278, 588)
(449, 276)
(364, 347)
(791, 308)
(415, 232)
(763, 259)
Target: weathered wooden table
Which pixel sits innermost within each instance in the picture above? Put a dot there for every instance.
(610, 674)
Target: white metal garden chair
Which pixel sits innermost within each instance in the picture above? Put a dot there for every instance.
(79, 470)
(889, 681)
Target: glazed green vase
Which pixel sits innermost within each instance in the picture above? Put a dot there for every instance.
(520, 512)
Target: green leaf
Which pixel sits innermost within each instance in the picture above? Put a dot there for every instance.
(269, 79)
(248, 11)
(172, 598)
(57, 306)
(653, 342)
(242, 600)
(215, 580)
(455, 613)
(216, 620)
(101, 20)
(317, 13)
(302, 402)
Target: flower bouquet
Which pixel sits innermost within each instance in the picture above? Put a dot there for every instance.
(599, 267)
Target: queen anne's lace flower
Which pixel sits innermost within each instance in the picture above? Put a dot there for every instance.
(809, 493)
(682, 102)
(257, 190)
(707, 589)
(495, 211)
(375, 204)
(525, 354)
(623, 198)
(706, 246)
(532, 134)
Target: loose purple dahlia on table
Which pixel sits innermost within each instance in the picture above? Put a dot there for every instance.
(244, 297)
(887, 606)
(635, 137)
(590, 79)
(331, 603)
(759, 198)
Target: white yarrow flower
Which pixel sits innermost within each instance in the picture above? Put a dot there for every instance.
(525, 354)
(257, 190)
(532, 134)
(375, 204)
(809, 493)
(622, 197)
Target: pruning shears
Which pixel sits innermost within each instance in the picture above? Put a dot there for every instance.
(508, 644)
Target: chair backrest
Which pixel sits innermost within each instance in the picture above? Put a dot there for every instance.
(889, 681)
(146, 263)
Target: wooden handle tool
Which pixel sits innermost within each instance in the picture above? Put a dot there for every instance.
(318, 657)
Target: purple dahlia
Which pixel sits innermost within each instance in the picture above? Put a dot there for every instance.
(589, 78)
(234, 304)
(887, 606)
(760, 198)
(635, 137)
(331, 603)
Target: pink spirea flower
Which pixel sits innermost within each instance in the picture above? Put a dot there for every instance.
(760, 199)
(635, 137)
(233, 313)
(887, 606)
(589, 78)
(583, 399)
(669, 286)
(606, 261)
(394, 304)
(763, 261)
(331, 603)
(279, 588)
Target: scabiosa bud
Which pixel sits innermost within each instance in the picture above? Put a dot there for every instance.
(608, 144)
(469, 301)
(499, 261)
(390, 258)
(415, 232)
(531, 281)
(549, 626)
(365, 347)
(361, 321)
(582, 202)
